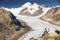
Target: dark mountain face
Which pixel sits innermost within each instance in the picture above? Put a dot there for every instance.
(8, 23)
(8, 19)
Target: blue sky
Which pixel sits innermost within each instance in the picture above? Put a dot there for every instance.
(17, 3)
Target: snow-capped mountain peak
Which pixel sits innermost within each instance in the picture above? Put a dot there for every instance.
(26, 4)
(30, 9)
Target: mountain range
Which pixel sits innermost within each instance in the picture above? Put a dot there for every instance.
(31, 17)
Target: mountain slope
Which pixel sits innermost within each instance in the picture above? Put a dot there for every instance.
(9, 26)
(53, 16)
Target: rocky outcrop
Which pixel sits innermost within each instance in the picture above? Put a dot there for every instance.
(52, 16)
(9, 25)
(29, 9)
(48, 36)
